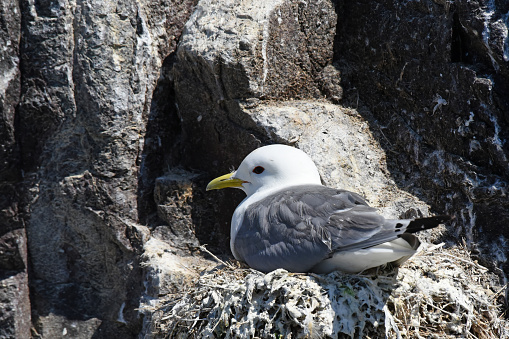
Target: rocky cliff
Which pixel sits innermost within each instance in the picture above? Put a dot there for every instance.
(114, 116)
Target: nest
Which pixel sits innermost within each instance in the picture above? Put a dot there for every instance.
(437, 294)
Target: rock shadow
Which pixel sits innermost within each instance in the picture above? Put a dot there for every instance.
(172, 200)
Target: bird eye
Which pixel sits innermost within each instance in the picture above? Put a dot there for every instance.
(258, 170)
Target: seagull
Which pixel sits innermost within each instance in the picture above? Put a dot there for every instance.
(290, 220)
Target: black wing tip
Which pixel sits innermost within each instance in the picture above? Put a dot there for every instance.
(427, 223)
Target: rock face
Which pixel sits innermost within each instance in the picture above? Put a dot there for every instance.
(15, 320)
(78, 79)
(109, 133)
(436, 75)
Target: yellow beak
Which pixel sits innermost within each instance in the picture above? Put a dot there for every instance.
(224, 182)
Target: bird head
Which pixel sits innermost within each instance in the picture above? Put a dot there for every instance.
(268, 168)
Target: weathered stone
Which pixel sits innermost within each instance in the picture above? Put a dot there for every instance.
(330, 83)
(435, 75)
(233, 51)
(188, 214)
(14, 294)
(15, 320)
(173, 195)
(166, 273)
(89, 69)
(10, 33)
(57, 326)
(260, 48)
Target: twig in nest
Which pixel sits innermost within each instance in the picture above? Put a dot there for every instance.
(472, 263)
(499, 292)
(204, 249)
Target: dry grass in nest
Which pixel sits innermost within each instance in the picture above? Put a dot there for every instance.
(439, 293)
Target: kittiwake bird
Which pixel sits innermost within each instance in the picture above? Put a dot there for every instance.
(290, 220)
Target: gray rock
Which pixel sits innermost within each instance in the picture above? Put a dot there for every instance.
(231, 52)
(15, 320)
(88, 70)
(14, 294)
(272, 49)
(435, 76)
(174, 197)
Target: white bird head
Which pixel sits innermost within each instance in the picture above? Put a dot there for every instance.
(269, 168)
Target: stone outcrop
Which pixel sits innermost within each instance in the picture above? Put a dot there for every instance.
(114, 116)
(77, 84)
(435, 75)
(15, 320)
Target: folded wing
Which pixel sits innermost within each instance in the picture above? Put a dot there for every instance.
(300, 226)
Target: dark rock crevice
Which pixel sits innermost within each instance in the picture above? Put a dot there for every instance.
(161, 142)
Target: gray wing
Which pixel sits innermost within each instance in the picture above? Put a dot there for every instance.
(298, 227)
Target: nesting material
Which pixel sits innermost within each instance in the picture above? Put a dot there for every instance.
(437, 294)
